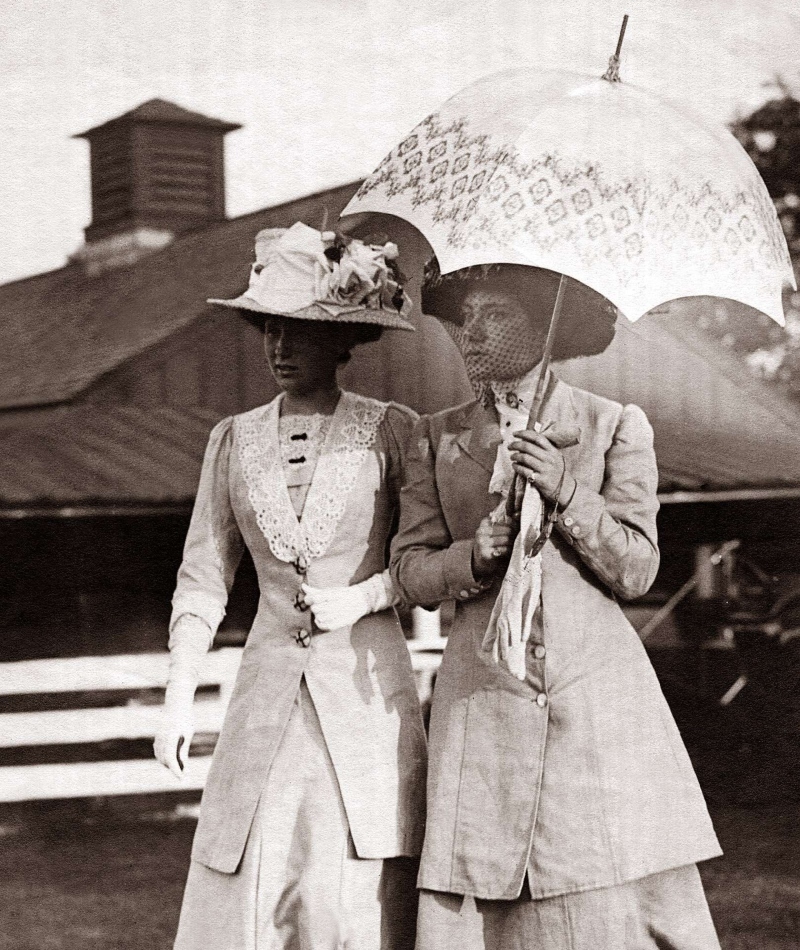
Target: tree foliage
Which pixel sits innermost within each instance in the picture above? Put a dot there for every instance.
(771, 137)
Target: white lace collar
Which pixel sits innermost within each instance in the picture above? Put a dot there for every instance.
(350, 436)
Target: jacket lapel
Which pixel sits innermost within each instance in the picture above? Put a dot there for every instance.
(480, 435)
(480, 432)
(560, 410)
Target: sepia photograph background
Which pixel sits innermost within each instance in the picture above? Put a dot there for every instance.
(143, 146)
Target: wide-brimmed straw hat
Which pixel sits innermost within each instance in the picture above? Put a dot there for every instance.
(311, 275)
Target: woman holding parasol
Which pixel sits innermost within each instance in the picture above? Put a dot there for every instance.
(563, 810)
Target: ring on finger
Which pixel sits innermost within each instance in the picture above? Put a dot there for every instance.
(531, 479)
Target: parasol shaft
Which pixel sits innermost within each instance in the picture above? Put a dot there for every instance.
(612, 73)
(541, 386)
(538, 397)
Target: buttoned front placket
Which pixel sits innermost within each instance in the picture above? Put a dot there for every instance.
(535, 661)
(303, 634)
(537, 679)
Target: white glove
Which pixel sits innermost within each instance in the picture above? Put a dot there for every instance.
(189, 643)
(509, 627)
(336, 607)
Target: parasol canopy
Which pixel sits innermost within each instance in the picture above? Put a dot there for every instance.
(630, 194)
(627, 192)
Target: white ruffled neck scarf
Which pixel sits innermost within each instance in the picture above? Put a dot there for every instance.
(511, 622)
(512, 400)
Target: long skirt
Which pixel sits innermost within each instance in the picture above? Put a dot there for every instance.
(300, 885)
(666, 911)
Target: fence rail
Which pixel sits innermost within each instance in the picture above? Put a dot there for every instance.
(127, 671)
(135, 720)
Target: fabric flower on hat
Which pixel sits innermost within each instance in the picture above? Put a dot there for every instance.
(355, 273)
(303, 273)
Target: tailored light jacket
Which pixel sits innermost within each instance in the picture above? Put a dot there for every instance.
(359, 677)
(577, 776)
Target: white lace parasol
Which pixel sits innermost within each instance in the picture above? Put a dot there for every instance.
(627, 192)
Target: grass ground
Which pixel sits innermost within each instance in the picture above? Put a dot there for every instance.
(112, 880)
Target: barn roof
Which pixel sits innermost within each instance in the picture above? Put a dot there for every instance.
(717, 427)
(63, 330)
(715, 430)
(97, 455)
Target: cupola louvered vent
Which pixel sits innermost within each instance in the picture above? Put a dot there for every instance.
(111, 177)
(178, 174)
(156, 170)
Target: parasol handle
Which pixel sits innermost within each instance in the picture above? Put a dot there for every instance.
(541, 385)
(612, 73)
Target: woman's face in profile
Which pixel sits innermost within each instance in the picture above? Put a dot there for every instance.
(302, 355)
(500, 340)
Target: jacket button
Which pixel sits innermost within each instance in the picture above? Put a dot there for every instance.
(576, 531)
(568, 521)
(539, 652)
(303, 638)
(463, 593)
(541, 699)
(474, 590)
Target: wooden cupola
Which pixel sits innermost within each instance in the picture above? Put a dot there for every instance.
(157, 171)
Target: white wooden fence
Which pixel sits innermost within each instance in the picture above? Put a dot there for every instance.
(128, 673)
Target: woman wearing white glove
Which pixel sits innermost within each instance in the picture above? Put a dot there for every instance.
(336, 607)
(312, 816)
(188, 644)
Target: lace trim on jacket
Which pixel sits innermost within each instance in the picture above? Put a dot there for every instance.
(350, 437)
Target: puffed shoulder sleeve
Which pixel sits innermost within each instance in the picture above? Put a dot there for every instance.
(614, 530)
(398, 424)
(427, 565)
(214, 544)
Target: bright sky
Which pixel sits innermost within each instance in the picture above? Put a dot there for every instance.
(324, 88)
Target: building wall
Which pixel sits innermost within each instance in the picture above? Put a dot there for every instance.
(712, 426)
(218, 363)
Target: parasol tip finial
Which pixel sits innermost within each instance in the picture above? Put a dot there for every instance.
(612, 73)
